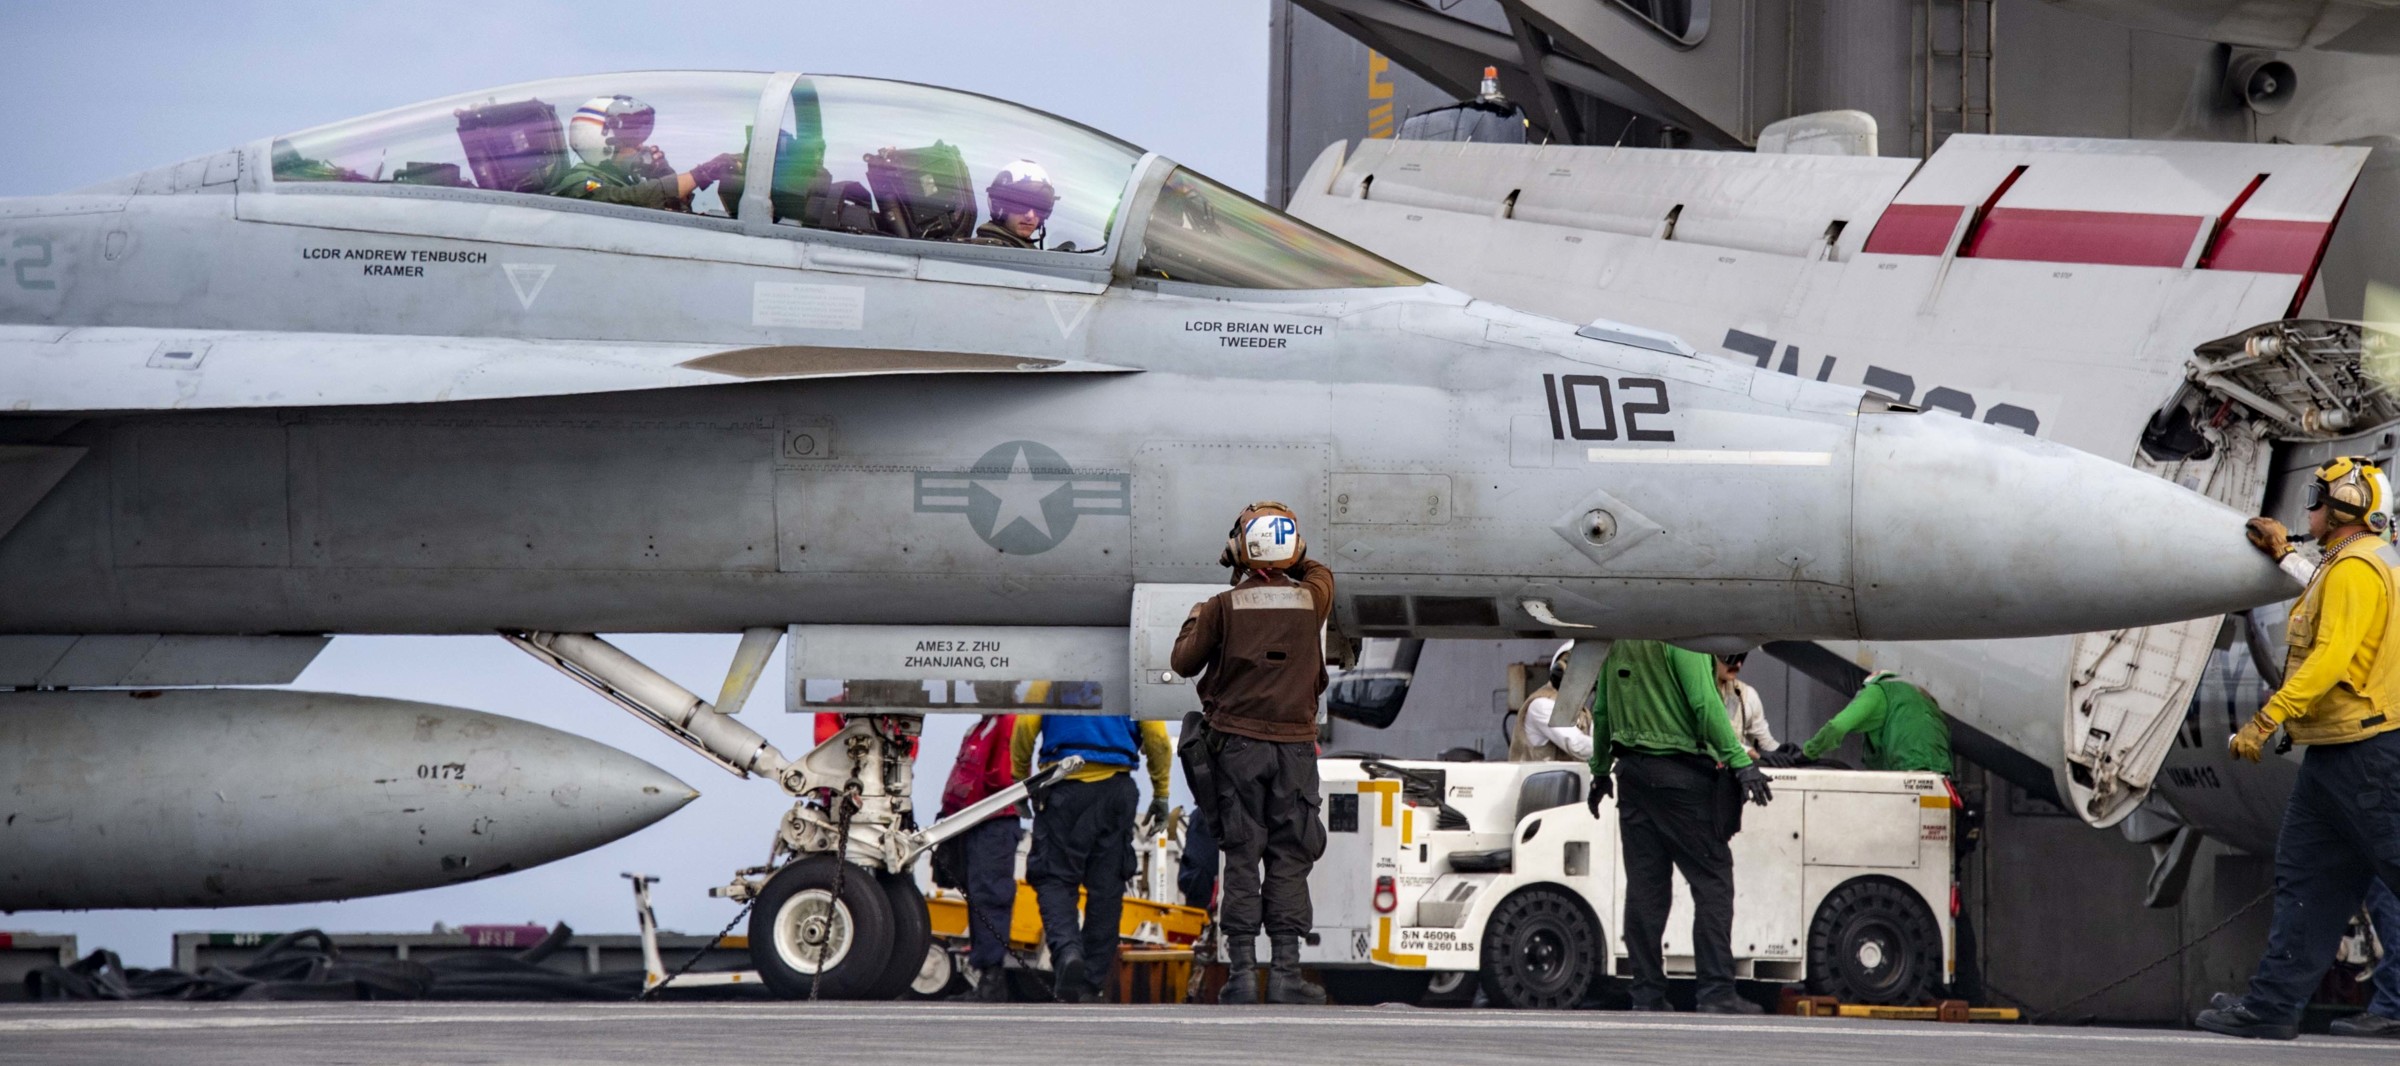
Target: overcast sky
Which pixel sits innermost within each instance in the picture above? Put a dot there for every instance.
(101, 88)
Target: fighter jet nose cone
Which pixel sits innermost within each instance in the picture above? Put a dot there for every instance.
(1966, 531)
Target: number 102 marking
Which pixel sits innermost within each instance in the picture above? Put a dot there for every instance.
(1575, 399)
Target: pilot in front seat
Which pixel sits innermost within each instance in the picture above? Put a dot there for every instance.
(608, 134)
(1022, 198)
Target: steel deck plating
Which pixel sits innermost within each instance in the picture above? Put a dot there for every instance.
(938, 1033)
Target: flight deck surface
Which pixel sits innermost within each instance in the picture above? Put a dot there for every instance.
(947, 1035)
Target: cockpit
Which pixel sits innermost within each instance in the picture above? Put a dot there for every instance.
(885, 164)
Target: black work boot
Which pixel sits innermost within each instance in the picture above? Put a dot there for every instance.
(991, 986)
(1726, 1001)
(2238, 1020)
(1066, 972)
(1650, 1003)
(1285, 984)
(2374, 1025)
(1241, 972)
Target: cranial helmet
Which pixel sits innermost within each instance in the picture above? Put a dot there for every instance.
(1558, 664)
(2353, 491)
(1022, 186)
(1265, 537)
(606, 123)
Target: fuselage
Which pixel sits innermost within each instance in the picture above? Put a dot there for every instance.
(351, 406)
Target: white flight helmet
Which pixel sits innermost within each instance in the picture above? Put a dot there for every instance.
(1022, 186)
(1558, 664)
(606, 123)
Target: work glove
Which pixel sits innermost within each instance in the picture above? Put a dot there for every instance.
(1754, 784)
(1784, 757)
(1601, 787)
(2251, 740)
(1037, 790)
(2269, 536)
(715, 170)
(1158, 813)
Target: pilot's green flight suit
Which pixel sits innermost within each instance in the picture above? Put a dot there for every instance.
(612, 182)
(993, 233)
(1902, 727)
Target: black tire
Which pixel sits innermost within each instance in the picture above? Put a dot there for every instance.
(1366, 988)
(1873, 941)
(1450, 988)
(912, 935)
(1540, 952)
(788, 931)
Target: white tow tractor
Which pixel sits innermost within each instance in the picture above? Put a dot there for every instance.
(1497, 871)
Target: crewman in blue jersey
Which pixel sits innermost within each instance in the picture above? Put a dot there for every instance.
(1083, 832)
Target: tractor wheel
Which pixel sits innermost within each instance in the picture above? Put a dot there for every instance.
(1451, 988)
(943, 974)
(1873, 941)
(1540, 952)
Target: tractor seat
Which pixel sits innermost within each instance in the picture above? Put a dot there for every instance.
(1542, 791)
(1495, 861)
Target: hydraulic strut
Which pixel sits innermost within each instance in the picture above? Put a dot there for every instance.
(627, 682)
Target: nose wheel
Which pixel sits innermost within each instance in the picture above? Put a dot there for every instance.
(804, 937)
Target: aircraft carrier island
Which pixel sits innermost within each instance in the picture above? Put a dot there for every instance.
(1673, 530)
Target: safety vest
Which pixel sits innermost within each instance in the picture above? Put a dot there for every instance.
(1524, 748)
(1102, 739)
(2357, 707)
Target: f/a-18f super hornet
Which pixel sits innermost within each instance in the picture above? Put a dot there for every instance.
(959, 392)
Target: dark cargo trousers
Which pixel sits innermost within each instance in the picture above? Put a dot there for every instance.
(2383, 909)
(1083, 839)
(2341, 831)
(1197, 879)
(991, 888)
(1267, 806)
(1668, 820)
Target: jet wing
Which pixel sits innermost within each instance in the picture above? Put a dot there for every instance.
(2054, 285)
(103, 369)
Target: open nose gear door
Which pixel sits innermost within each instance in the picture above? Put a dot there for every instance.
(2281, 384)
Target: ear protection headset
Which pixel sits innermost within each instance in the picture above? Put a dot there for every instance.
(2354, 491)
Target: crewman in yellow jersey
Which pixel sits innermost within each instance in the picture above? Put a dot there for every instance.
(2341, 699)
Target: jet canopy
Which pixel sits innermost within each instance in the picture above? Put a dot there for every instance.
(862, 157)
